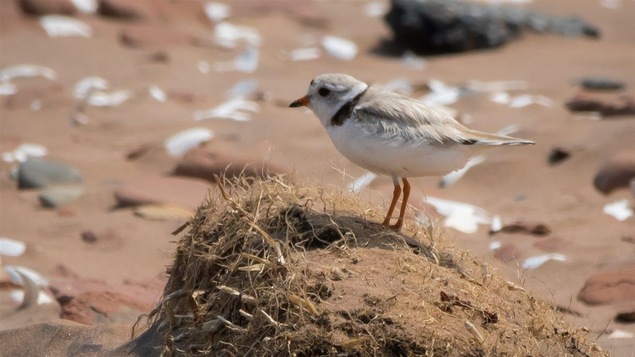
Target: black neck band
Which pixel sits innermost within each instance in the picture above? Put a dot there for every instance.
(345, 111)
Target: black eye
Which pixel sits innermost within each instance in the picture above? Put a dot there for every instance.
(324, 92)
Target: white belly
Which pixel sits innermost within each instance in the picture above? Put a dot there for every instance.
(402, 160)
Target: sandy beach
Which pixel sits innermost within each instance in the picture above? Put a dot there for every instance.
(105, 258)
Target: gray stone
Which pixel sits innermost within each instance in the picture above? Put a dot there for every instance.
(38, 173)
(56, 196)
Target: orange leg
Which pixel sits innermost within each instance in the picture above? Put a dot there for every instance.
(395, 197)
(404, 204)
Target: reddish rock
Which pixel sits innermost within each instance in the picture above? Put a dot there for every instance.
(144, 36)
(616, 173)
(186, 192)
(611, 106)
(507, 253)
(549, 244)
(94, 301)
(204, 164)
(47, 7)
(124, 9)
(610, 287)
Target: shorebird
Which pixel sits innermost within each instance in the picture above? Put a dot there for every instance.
(391, 134)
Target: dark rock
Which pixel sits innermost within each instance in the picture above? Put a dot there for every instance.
(538, 229)
(47, 7)
(616, 106)
(37, 173)
(144, 36)
(123, 9)
(626, 317)
(89, 237)
(204, 164)
(601, 83)
(610, 287)
(442, 26)
(558, 155)
(616, 172)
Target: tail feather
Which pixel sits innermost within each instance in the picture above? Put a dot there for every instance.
(481, 138)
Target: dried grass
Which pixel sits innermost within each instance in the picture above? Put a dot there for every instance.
(271, 269)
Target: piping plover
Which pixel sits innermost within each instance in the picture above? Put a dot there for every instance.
(391, 134)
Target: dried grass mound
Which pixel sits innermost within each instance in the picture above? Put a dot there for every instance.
(270, 269)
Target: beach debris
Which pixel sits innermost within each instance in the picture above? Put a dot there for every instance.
(339, 48)
(229, 36)
(451, 178)
(11, 247)
(85, 6)
(38, 172)
(157, 93)
(520, 101)
(25, 71)
(86, 85)
(398, 85)
(305, 54)
(46, 7)
(359, 183)
(442, 94)
(246, 62)
(497, 224)
(496, 86)
(461, 216)
(442, 26)
(601, 84)
(180, 143)
(7, 88)
(235, 109)
(246, 88)
(413, 61)
(31, 282)
(216, 11)
(617, 334)
(611, 4)
(493, 245)
(23, 152)
(538, 260)
(203, 66)
(64, 26)
(375, 9)
(617, 172)
(108, 99)
(619, 209)
(557, 155)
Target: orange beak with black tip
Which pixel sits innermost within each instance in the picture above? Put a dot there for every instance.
(302, 102)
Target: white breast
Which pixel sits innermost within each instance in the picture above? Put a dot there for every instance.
(386, 157)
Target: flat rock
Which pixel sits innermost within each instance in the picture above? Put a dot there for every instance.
(90, 301)
(614, 286)
(626, 317)
(205, 164)
(533, 228)
(601, 83)
(124, 9)
(182, 191)
(147, 35)
(38, 173)
(615, 105)
(507, 253)
(56, 196)
(616, 173)
(47, 7)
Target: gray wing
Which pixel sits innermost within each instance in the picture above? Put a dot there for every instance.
(400, 119)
